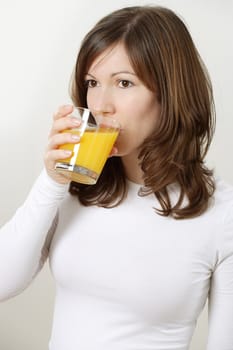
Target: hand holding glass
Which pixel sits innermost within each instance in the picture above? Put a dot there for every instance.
(97, 137)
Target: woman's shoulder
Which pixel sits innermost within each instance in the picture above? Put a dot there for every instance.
(220, 210)
(224, 193)
(223, 204)
(223, 213)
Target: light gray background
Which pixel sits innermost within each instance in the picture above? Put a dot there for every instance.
(39, 42)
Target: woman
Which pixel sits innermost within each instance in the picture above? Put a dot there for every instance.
(136, 255)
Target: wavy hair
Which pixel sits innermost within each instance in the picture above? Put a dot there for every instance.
(163, 55)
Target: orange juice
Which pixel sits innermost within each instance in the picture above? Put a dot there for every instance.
(89, 156)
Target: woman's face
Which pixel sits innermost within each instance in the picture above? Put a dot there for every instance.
(115, 91)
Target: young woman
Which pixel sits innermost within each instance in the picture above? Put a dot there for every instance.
(135, 256)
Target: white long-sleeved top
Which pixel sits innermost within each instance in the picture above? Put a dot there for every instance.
(126, 278)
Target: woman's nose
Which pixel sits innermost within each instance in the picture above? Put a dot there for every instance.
(102, 103)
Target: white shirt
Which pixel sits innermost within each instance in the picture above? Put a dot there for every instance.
(126, 278)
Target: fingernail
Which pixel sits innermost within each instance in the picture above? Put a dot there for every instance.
(75, 137)
(67, 153)
(75, 121)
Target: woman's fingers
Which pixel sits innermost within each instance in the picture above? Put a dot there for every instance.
(63, 111)
(60, 134)
(63, 123)
(57, 140)
(113, 152)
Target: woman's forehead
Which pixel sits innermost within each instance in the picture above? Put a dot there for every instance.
(115, 57)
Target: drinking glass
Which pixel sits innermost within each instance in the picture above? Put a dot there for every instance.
(97, 136)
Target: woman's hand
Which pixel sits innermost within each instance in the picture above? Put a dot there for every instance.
(62, 120)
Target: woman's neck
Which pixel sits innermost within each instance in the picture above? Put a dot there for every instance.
(132, 168)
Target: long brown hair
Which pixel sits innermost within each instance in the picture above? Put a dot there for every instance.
(164, 57)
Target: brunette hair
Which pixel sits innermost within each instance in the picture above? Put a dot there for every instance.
(164, 57)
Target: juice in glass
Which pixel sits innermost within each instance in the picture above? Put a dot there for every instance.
(89, 156)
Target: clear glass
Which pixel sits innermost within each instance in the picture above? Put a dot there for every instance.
(97, 137)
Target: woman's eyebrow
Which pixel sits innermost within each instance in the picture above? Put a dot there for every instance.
(90, 75)
(115, 73)
(124, 72)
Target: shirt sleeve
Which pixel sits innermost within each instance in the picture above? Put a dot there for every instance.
(24, 240)
(221, 293)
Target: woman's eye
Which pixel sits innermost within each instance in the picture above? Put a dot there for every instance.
(125, 84)
(91, 83)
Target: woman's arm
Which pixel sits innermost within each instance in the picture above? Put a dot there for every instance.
(24, 240)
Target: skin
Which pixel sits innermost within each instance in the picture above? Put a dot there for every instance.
(114, 90)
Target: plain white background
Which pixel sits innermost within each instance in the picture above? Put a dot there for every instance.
(39, 42)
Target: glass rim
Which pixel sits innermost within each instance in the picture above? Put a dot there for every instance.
(105, 117)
